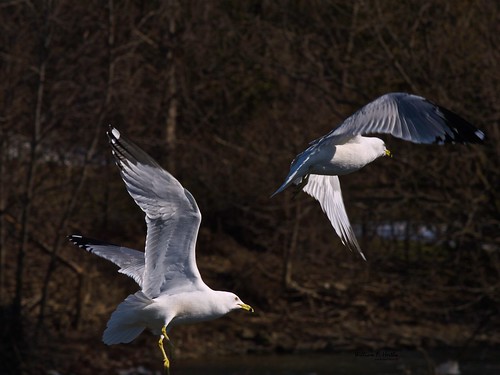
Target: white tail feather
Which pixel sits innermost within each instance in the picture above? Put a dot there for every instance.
(124, 324)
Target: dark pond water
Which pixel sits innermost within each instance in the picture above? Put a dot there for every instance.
(480, 362)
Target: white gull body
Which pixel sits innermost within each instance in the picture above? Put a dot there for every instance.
(345, 150)
(172, 290)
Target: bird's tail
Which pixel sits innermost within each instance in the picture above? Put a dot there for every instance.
(298, 170)
(124, 324)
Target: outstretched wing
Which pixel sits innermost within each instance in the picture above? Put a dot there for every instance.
(326, 189)
(409, 117)
(172, 218)
(130, 261)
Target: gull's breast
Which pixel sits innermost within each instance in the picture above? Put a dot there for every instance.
(183, 308)
(346, 158)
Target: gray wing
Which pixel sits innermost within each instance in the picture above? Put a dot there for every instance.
(409, 117)
(172, 218)
(130, 261)
(326, 190)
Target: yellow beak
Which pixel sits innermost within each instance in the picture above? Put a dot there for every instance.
(246, 307)
(388, 153)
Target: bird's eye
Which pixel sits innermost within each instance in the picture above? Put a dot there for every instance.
(236, 298)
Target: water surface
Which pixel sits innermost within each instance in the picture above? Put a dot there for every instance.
(384, 362)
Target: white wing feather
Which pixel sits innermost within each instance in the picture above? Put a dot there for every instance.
(326, 190)
(130, 261)
(172, 218)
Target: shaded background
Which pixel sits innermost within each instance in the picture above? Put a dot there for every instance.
(224, 94)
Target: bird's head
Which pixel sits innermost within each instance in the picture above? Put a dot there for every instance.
(375, 148)
(235, 303)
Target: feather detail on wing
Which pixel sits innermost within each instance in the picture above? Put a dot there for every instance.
(326, 190)
(409, 117)
(130, 261)
(172, 218)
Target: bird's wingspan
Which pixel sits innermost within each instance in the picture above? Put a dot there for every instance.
(130, 261)
(409, 117)
(172, 218)
(326, 189)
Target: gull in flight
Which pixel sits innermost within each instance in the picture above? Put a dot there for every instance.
(172, 291)
(345, 150)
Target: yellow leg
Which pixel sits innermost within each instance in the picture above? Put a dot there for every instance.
(166, 362)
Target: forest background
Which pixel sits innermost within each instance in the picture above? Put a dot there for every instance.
(224, 94)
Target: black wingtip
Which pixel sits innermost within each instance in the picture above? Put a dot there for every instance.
(126, 151)
(113, 133)
(77, 240)
(463, 131)
(117, 149)
(86, 243)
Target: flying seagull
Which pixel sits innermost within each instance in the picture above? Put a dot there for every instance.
(345, 150)
(172, 291)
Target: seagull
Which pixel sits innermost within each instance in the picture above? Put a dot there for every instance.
(172, 290)
(345, 150)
